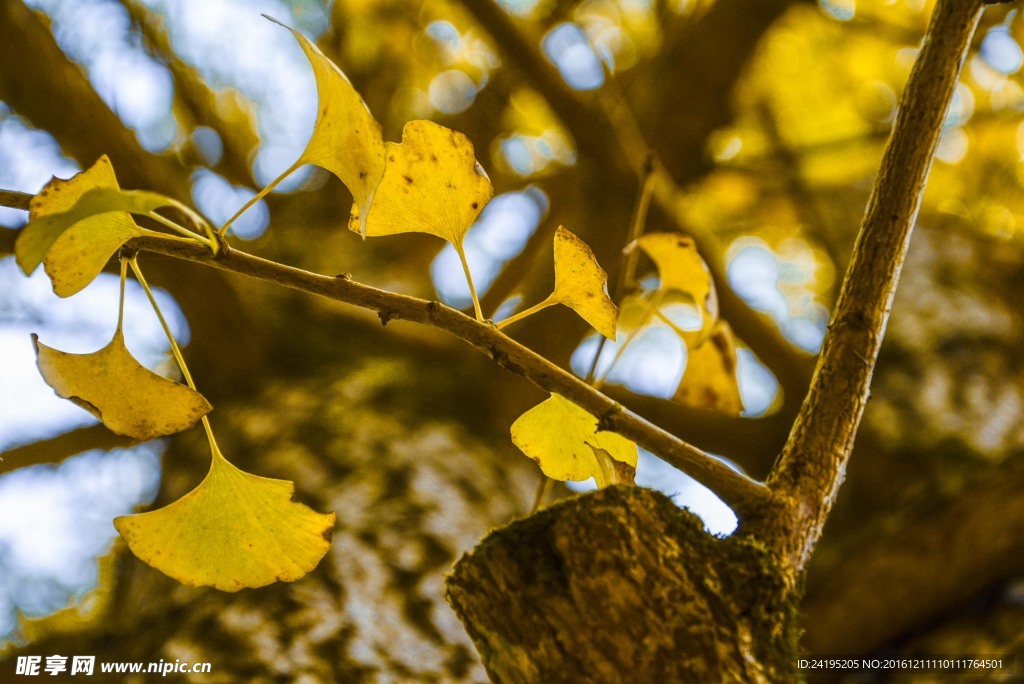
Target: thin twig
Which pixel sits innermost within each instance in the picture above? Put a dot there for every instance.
(812, 465)
(15, 199)
(743, 494)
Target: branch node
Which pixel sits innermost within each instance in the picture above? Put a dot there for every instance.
(604, 422)
(222, 248)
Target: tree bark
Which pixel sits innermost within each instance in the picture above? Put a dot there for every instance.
(623, 585)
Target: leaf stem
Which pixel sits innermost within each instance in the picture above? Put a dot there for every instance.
(175, 349)
(524, 313)
(652, 308)
(173, 225)
(222, 231)
(120, 305)
(627, 273)
(469, 279)
(542, 491)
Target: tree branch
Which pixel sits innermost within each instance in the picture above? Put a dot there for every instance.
(812, 465)
(740, 492)
(15, 199)
(56, 449)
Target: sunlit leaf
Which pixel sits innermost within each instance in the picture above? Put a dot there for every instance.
(235, 530)
(682, 270)
(129, 398)
(581, 284)
(347, 140)
(79, 254)
(561, 437)
(432, 184)
(54, 209)
(710, 380)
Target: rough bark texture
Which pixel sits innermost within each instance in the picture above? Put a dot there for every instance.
(622, 585)
(812, 465)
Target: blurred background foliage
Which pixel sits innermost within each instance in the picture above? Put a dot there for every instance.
(766, 122)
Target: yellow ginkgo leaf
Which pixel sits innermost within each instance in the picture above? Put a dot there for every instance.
(432, 184)
(234, 531)
(129, 398)
(710, 380)
(53, 210)
(581, 284)
(347, 140)
(562, 438)
(79, 254)
(682, 270)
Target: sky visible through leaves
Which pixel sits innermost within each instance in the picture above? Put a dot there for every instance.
(264, 63)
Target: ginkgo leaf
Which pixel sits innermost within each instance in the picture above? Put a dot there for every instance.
(561, 437)
(53, 210)
(432, 184)
(682, 270)
(709, 380)
(79, 254)
(90, 232)
(347, 140)
(129, 398)
(581, 284)
(234, 531)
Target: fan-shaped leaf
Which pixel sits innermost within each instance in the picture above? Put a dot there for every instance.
(709, 380)
(235, 530)
(346, 139)
(581, 284)
(432, 184)
(56, 208)
(562, 438)
(129, 398)
(682, 270)
(79, 254)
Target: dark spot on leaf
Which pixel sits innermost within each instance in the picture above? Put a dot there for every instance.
(475, 205)
(391, 157)
(362, 174)
(433, 158)
(408, 179)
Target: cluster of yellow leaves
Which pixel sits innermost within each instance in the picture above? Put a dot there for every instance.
(432, 183)
(239, 530)
(709, 380)
(563, 438)
(235, 530)
(72, 230)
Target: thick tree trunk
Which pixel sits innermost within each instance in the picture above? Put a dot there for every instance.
(623, 585)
